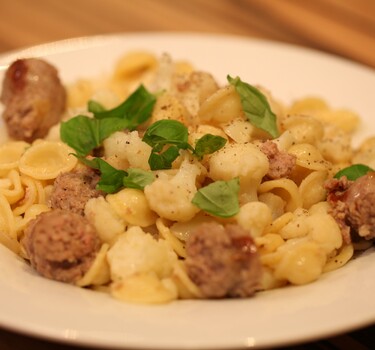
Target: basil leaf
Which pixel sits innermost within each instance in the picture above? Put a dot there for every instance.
(111, 179)
(138, 178)
(255, 106)
(208, 144)
(353, 172)
(165, 132)
(166, 137)
(83, 134)
(136, 108)
(95, 107)
(163, 160)
(219, 198)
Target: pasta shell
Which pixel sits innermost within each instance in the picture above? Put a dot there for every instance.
(45, 160)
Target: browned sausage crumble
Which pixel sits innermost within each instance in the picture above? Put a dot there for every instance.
(61, 245)
(223, 261)
(34, 99)
(352, 204)
(281, 163)
(72, 190)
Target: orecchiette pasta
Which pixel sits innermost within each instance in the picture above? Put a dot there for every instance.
(238, 129)
(308, 106)
(221, 107)
(284, 188)
(132, 64)
(169, 107)
(305, 129)
(301, 261)
(312, 188)
(45, 160)
(308, 157)
(344, 119)
(131, 205)
(10, 154)
(99, 273)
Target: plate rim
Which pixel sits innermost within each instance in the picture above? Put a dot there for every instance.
(94, 41)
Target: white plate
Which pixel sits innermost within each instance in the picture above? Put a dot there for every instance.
(338, 302)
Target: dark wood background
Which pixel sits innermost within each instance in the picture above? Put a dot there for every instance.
(342, 27)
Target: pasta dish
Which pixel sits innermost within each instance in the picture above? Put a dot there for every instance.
(156, 183)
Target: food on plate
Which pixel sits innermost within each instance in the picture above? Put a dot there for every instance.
(61, 245)
(34, 98)
(352, 204)
(155, 182)
(71, 190)
(223, 261)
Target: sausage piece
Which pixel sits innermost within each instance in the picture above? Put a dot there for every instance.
(281, 163)
(223, 261)
(34, 99)
(61, 245)
(72, 190)
(352, 204)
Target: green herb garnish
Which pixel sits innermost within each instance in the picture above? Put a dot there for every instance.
(219, 198)
(167, 132)
(84, 134)
(208, 144)
(112, 179)
(95, 107)
(255, 106)
(353, 172)
(168, 137)
(138, 178)
(136, 108)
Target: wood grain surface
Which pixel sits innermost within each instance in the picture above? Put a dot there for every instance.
(342, 27)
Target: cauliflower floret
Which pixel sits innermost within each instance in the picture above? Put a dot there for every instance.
(128, 150)
(136, 252)
(323, 228)
(254, 217)
(106, 221)
(145, 288)
(245, 161)
(170, 196)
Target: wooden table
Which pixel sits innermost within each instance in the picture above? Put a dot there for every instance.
(342, 27)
